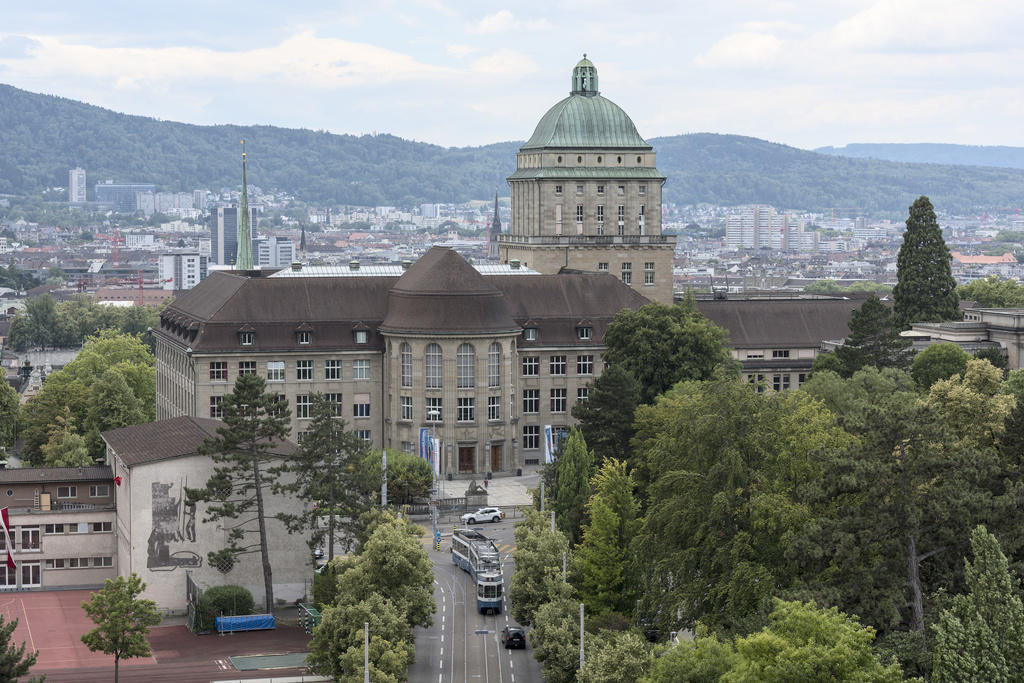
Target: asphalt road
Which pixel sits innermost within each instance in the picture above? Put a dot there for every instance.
(451, 651)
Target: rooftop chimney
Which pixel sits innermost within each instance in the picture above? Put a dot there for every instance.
(405, 264)
(296, 266)
(514, 263)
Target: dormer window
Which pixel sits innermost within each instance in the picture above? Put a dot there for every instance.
(361, 336)
(246, 338)
(304, 337)
(530, 334)
(585, 333)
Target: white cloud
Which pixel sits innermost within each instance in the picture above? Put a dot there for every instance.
(503, 21)
(303, 58)
(506, 63)
(742, 50)
(460, 50)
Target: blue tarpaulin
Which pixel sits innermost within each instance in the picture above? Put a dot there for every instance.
(251, 622)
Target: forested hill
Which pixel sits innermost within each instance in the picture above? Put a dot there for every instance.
(42, 136)
(932, 153)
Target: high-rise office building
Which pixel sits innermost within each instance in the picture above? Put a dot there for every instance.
(122, 197)
(224, 234)
(76, 186)
(272, 252)
(182, 269)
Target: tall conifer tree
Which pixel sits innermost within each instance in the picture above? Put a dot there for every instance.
(925, 288)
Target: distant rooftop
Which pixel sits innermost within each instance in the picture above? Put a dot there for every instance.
(390, 270)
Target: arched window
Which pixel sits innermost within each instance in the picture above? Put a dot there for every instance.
(494, 365)
(465, 359)
(406, 352)
(433, 369)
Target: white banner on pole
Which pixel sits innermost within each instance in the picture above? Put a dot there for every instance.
(549, 445)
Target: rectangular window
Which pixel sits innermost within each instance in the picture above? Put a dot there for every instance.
(8, 577)
(29, 538)
(304, 337)
(103, 561)
(531, 400)
(585, 365)
(275, 370)
(219, 371)
(99, 490)
(600, 189)
(582, 394)
(247, 367)
(364, 434)
(648, 272)
(579, 189)
(579, 213)
(531, 437)
(361, 406)
(53, 529)
(360, 369)
(282, 403)
(465, 410)
(102, 527)
(406, 404)
(216, 407)
(407, 446)
(302, 404)
(584, 333)
(494, 407)
(76, 562)
(622, 219)
(31, 574)
(433, 409)
(602, 267)
(557, 365)
(361, 336)
(336, 403)
(54, 564)
(530, 333)
(600, 219)
(558, 190)
(300, 436)
(621, 189)
(303, 369)
(67, 492)
(332, 369)
(801, 378)
(558, 400)
(494, 367)
(627, 273)
(641, 189)
(78, 528)
(531, 366)
(245, 338)
(780, 353)
(780, 382)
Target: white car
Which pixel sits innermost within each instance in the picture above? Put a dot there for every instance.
(483, 515)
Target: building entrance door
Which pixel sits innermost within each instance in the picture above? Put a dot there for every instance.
(496, 453)
(467, 456)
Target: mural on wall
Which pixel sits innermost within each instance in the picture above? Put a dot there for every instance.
(174, 525)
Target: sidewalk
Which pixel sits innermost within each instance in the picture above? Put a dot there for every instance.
(501, 492)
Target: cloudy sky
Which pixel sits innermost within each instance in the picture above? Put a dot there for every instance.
(805, 72)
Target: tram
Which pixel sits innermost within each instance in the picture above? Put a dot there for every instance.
(478, 555)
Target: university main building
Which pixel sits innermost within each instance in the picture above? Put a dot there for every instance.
(484, 356)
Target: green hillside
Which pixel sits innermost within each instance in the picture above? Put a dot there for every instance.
(42, 136)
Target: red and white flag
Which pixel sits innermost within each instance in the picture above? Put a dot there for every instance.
(8, 543)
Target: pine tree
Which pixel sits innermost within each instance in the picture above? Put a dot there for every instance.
(245, 470)
(327, 468)
(981, 636)
(14, 663)
(874, 340)
(925, 289)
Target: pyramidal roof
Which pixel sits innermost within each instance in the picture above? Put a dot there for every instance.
(442, 293)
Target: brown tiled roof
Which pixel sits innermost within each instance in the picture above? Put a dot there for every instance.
(22, 475)
(164, 439)
(441, 293)
(780, 323)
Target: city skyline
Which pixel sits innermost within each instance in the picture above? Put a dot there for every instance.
(457, 74)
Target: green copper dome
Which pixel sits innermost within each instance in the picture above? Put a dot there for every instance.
(585, 119)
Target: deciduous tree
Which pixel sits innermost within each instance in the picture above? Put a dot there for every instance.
(538, 576)
(925, 289)
(246, 470)
(122, 620)
(573, 470)
(556, 640)
(938, 361)
(992, 292)
(614, 657)
(337, 646)
(9, 408)
(661, 345)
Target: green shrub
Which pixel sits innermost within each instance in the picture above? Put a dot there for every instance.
(222, 601)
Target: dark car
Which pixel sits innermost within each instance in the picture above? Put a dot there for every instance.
(513, 636)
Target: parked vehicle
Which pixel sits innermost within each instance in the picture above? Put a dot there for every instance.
(483, 515)
(513, 637)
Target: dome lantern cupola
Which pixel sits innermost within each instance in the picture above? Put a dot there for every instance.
(584, 78)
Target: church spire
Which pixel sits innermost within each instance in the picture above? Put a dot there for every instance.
(494, 231)
(243, 261)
